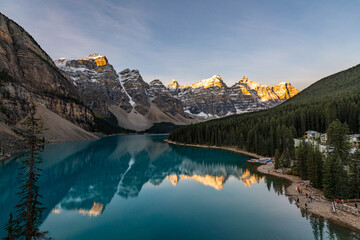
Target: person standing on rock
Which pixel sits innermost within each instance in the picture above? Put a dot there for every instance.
(356, 205)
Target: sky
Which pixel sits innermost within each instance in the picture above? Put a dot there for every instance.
(295, 41)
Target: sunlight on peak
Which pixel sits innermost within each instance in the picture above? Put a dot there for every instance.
(216, 182)
(249, 179)
(98, 58)
(95, 211)
(214, 81)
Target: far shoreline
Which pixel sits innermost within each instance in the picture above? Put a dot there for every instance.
(231, 149)
(320, 206)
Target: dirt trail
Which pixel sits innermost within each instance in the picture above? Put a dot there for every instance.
(319, 205)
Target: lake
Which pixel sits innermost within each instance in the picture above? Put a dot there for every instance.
(139, 187)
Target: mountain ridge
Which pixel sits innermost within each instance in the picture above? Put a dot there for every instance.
(202, 100)
(333, 97)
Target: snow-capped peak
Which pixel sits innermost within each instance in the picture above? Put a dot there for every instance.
(93, 56)
(214, 81)
(61, 62)
(173, 85)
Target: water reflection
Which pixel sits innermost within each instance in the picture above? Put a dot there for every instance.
(84, 177)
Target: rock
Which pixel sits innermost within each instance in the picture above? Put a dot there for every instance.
(27, 72)
(96, 82)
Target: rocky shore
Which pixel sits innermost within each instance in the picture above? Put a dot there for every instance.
(319, 205)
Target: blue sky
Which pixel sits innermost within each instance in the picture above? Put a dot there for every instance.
(268, 41)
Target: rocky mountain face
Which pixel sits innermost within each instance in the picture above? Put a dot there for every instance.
(27, 72)
(96, 82)
(137, 105)
(213, 98)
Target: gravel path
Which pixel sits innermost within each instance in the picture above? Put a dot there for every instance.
(319, 205)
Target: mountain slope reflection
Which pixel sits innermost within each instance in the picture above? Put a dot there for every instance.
(86, 179)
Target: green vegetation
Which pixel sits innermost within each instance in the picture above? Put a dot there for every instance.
(163, 127)
(337, 172)
(331, 104)
(334, 97)
(108, 125)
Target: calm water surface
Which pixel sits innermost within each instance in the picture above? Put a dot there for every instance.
(139, 187)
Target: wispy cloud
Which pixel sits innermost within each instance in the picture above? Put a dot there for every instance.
(270, 42)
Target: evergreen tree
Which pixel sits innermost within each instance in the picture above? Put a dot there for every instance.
(310, 164)
(277, 159)
(335, 176)
(301, 157)
(286, 159)
(29, 208)
(337, 134)
(318, 168)
(355, 174)
(10, 228)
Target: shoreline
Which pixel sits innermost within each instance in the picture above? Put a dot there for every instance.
(319, 206)
(216, 147)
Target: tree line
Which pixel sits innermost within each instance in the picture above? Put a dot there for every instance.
(326, 105)
(337, 171)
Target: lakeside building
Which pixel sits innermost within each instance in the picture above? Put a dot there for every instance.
(312, 135)
(320, 140)
(354, 140)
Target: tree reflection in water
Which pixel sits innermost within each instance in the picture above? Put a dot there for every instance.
(85, 176)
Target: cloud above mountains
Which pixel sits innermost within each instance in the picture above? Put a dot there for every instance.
(270, 42)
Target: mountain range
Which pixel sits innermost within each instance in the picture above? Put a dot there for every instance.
(77, 99)
(137, 105)
(336, 97)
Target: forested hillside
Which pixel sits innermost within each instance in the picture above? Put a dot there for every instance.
(334, 97)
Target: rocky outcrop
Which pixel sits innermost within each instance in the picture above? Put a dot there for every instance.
(207, 98)
(96, 82)
(136, 89)
(161, 96)
(213, 98)
(27, 72)
(265, 93)
(137, 104)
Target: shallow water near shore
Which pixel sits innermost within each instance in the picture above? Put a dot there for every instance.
(139, 187)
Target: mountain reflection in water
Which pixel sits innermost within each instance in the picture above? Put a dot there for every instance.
(85, 176)
(126, 183)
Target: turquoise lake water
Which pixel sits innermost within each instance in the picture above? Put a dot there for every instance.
(139, 187)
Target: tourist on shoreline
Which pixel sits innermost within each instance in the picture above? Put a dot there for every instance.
(356, 205)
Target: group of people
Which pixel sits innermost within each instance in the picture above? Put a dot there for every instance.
(339, 201)
(308, 196)
(342, 202)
